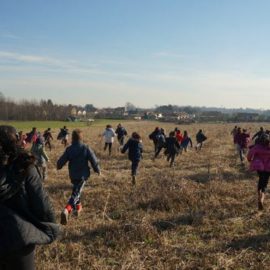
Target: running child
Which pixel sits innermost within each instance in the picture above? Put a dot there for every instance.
(161, 142)
(242, 139)
(31, 136)
(38, 151)
(259, 158)
(172, 147)
(47, 135)
(186, 140)
(135, 149)
(108, 135)
(63, 136)
(200, 138)
(78, 155)
(258, 134)
(121, 133)
(154, 137)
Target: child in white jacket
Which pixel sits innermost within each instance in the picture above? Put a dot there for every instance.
(108, 135)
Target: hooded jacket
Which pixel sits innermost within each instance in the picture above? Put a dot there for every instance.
(121, 132)
(200, 137)
(109, 135)
(39, 152)
(78, 156)
(26, 214)
(134, 148)
(172, 145)
(259, 158)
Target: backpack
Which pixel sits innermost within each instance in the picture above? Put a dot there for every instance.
(160, 140)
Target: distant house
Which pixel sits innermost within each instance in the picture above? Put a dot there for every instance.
(184, 117)
(152, 116)
(177, 117)
(111, 113)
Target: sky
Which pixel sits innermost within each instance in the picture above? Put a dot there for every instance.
(147, 52)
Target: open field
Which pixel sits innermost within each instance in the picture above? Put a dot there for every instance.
(202, 214)
(27, 125)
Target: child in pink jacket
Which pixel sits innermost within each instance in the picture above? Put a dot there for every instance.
(259, 158)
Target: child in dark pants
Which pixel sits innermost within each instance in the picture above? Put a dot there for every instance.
(259, 158)
(78, 155)
(135, 149)
(47, 135)
(109, 135)
(172, 147)
(121, 133)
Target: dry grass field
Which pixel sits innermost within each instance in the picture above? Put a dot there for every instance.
(201, 214)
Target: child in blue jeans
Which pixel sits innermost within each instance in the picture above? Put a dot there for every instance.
(78, 155)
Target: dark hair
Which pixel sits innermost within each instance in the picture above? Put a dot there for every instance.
(10, 152)
(263, 140)
(172, 134)
(185, 133)
(76, 135)
(135, 136)
(108, 126)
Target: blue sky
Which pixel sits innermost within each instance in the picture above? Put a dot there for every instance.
(148, 52)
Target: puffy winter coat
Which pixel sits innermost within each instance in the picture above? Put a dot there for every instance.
(40, 154)
(200, 137)
(185, 141)
(259, 158)
(78, 156)
(26, 214)
(134, 148)
(109, 135)
(172, 145)
(121, 132)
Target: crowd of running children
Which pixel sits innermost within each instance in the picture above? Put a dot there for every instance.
(22, 173)
(257, 151)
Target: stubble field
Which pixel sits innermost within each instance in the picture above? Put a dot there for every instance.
(200, 214)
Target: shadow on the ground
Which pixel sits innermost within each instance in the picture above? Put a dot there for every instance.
(202, 177)
(159, 204)
(256, 242)
(169, 224)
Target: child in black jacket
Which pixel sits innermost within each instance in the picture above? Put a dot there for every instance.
(172, 147)
(135, 149)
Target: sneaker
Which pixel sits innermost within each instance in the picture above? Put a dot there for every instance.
(78, 209)
(64, 217)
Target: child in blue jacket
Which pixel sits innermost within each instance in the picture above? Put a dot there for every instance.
(135, 149)
(78, 155)
(186, 141)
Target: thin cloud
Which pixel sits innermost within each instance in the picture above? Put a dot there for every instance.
(27, 58)
(167, 54)
(8, 35)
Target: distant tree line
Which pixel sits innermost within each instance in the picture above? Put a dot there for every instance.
(36, 110)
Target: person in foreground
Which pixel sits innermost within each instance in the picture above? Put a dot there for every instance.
(135, 149)
(259, 158)
(26, 214)
(78, 155)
